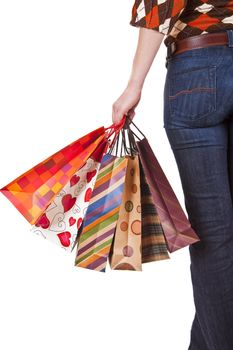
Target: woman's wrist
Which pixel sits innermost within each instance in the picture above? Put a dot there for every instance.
(135, 84)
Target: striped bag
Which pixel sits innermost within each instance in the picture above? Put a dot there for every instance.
(96, 236)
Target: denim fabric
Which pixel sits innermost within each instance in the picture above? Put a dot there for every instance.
(198, 120)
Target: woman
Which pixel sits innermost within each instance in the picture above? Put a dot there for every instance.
(198, 120)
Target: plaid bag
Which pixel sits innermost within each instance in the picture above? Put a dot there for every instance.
(154, 246)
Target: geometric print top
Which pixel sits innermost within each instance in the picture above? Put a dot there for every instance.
(179, 19)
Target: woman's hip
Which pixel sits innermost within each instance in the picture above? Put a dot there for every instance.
(198, 87)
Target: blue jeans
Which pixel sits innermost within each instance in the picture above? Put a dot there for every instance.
(198, 120)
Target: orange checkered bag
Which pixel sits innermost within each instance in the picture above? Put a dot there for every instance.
(32, 192)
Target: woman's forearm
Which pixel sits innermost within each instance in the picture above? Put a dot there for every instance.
(149, 41)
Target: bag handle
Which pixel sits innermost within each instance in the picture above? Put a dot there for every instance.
(120, 130)
(127, 126)
(127, 142)
(115, 128)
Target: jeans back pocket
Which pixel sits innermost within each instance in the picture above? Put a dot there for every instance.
(192, 92)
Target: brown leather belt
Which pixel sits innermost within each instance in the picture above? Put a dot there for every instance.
(198, 41)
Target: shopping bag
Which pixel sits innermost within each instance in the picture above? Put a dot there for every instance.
(34, 190)
(176, 226)
(95, 239)
(154, 246)
(125, 253)
(63, 217)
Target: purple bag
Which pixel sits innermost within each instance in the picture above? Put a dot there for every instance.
(176, 226)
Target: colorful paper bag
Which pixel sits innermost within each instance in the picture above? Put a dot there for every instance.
(102, 213)
(33, 191)
(154, 246)
(125, 252)
(176, 226)
(64, 215)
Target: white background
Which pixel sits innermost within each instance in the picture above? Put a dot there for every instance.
(62, 65)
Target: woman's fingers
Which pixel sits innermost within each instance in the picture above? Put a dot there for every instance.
(126, 104)
(131, 113)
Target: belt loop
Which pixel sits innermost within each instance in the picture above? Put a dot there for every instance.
(168, 55)
(230, 37)
(169, 51)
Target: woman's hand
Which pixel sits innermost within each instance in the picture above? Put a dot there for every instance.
(126, 103)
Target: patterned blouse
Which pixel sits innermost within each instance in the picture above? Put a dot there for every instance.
(179, 19)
